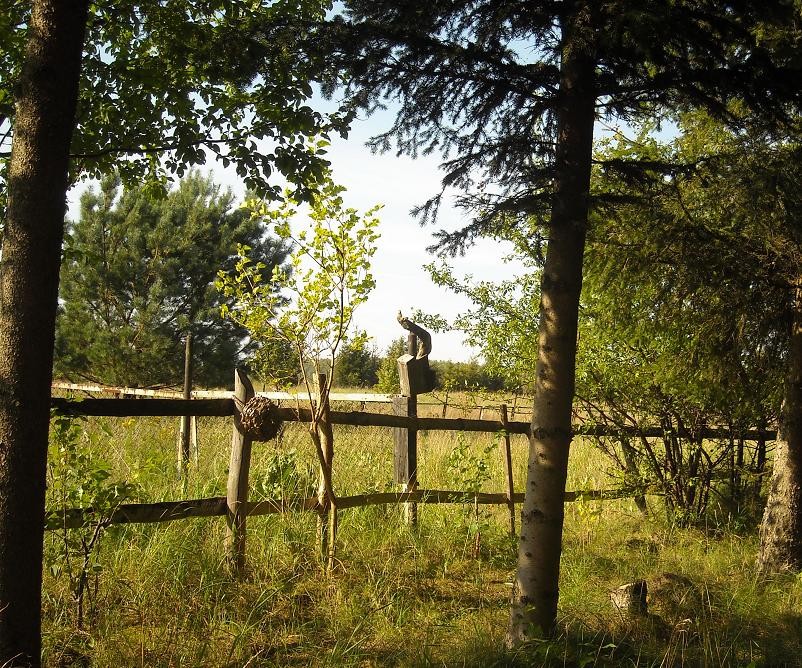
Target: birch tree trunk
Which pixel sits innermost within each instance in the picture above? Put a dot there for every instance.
(535, 591)
(31, 255)
(781, 529)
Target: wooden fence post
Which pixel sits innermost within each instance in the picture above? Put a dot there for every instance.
(237, 491)
(506, 454)
(193, 430)
(184, 448)
(406, 445)
(327, 521)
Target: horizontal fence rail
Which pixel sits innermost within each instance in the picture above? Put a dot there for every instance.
(169, 511)
(334, 397)
(225, 408)
(144, 407)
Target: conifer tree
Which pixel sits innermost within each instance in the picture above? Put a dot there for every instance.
(508, 93)
(139, 276)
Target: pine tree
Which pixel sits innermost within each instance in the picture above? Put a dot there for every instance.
(356, 366)
(139, 275)
(509, 93)
(387, 379)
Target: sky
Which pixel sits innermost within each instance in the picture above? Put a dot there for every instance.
(398, 183)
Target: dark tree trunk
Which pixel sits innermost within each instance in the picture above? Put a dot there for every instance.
(781, 530)
(535, 593)
(37, 185)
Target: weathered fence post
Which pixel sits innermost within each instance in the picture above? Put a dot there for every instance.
(237, 491)
(327, 518)
(184, 448)
(506, 455)
(193, 430)
(406, 444)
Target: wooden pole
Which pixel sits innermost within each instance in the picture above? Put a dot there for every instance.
(406, 445)
(184, 447)
(237, 491)
(193, 430)
(327, 521)
(506, 455)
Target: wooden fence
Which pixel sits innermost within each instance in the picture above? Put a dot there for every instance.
(236, 507)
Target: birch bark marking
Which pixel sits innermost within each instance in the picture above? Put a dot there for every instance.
(781, 529)
(237, 491)
(44, 120)
(536, 586)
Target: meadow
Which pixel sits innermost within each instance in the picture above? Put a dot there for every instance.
(433, 595)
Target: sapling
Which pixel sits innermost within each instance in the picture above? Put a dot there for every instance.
(79, 479)
(309, 305)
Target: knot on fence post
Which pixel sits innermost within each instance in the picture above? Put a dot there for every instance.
(260, 419)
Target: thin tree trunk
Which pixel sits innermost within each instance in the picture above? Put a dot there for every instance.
(781, 530)
(535, 592)
(34, 227)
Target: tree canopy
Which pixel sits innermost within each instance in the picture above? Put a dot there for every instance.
(479, 83)
(166, 85)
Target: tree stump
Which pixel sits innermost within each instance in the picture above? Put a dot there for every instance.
(631, 598)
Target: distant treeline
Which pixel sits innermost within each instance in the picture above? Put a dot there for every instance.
(366, 367)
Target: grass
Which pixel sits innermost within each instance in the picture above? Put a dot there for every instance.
(398, 597)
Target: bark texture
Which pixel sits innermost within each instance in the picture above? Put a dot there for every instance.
(535, 592)
(31, 254)
(781, 530)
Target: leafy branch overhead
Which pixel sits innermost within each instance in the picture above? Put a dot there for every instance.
(167, 85)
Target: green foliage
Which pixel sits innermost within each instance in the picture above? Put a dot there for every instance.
(387, 374)
(78, 478)
(139, 274)
(283, 476)
(684, 310)
(166, 85)
(480, 83)
(465, 376)
(471, 469)
(328, 279)
(502, 322)
(686, 305)
(356, 366)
